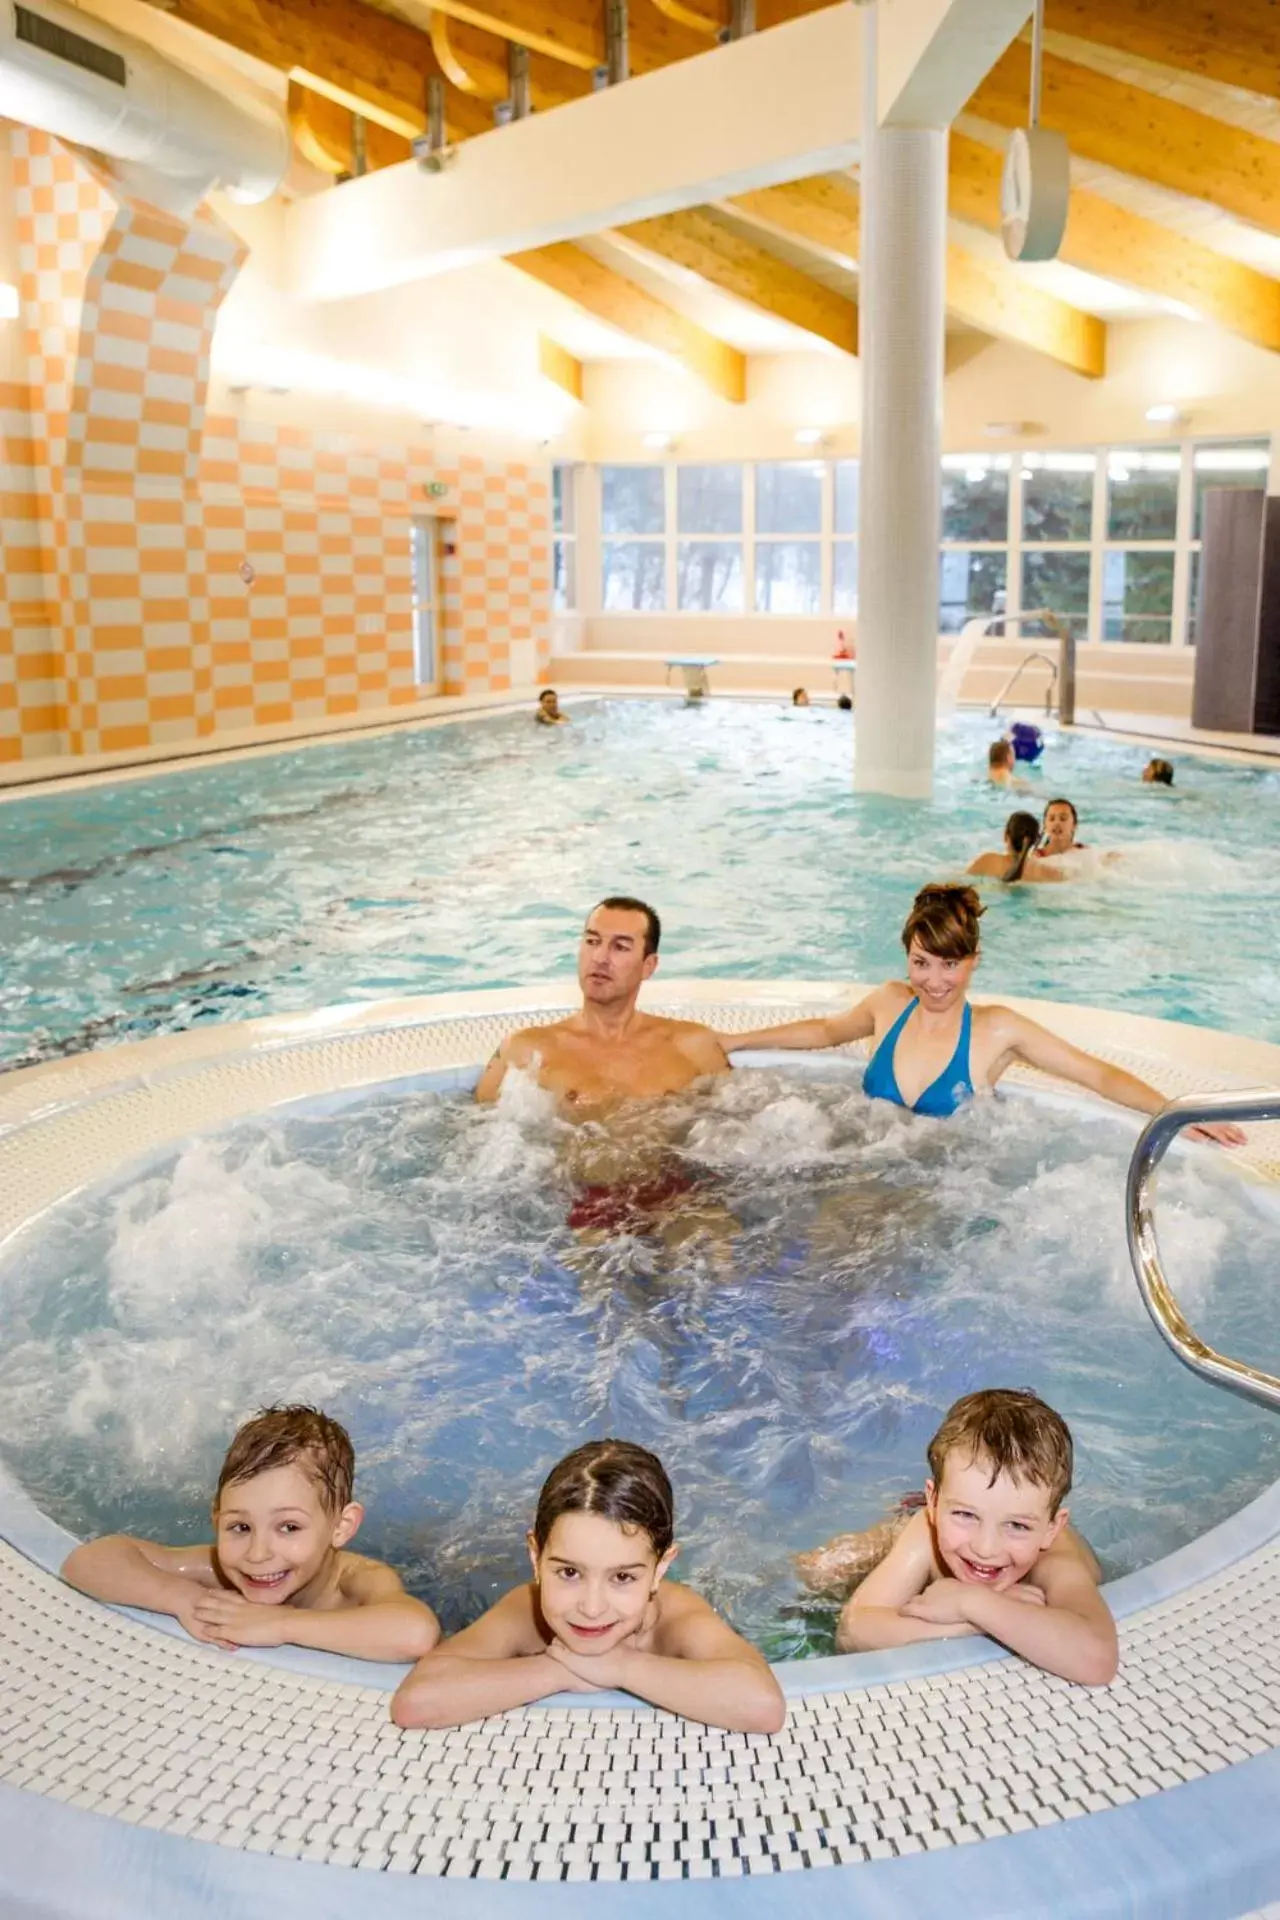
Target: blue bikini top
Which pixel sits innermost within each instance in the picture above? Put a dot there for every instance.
(940, 1099)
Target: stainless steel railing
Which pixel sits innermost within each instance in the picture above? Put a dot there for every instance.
(1062, 671)
(1192, 1110)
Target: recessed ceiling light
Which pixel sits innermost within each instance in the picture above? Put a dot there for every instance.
(658, 441)
(1166, 414)
(809, 437)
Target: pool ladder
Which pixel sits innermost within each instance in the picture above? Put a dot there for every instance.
(1192, 1110)
(1062, 671)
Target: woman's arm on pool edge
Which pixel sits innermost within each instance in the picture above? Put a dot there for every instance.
(1027, 1040)
(836, 1030)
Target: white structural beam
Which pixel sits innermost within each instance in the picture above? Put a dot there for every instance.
(931, 55)
(698, 130)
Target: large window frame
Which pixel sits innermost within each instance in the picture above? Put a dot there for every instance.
(1245, 455)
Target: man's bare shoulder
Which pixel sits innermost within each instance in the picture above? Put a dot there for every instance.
(696, 1042)
(519, 1048)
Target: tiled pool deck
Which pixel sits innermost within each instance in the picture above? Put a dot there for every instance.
(141, 1773)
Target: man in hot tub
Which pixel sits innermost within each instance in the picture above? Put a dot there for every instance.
(609, 1053)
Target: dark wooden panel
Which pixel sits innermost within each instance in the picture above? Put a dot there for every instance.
(1266, 698)
(1230, 590)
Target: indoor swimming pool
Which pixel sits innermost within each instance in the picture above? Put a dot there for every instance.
(466, 856)
(838, 1274)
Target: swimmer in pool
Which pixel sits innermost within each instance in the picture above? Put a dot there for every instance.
(628, 1178)
(609, 1051)
(991, 1552)
(279, 1572)
(932, 1049)
(598, 1613)
(547, 712)
(1058, 835)
(1158, 773)
(1021, 837)
(1001, 762)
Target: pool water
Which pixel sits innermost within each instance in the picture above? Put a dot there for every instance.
(840, 1273)
(466, 855)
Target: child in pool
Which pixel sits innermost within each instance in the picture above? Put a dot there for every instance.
(598, 1613)
(990, 1552)
(278, 1571)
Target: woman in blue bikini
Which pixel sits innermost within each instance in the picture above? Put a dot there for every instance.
(932, 1049)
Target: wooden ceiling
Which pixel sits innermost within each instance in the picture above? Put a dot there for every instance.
(1169, 106)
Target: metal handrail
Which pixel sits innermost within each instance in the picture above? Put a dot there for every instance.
(1171, 1324)
(1016, 675)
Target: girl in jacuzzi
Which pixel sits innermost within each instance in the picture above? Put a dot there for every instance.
(932, 1049)
(599, 1613)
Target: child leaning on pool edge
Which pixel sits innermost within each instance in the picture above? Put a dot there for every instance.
(991, 1552)
(278, 1572)
(598, 1613)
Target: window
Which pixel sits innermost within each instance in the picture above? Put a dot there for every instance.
(969, 585)
(789, 576)
(844, 569)
(789, 503)
(1243, 463)
(975, 498)
(1137, 596)
(1057, 582)
(709, 499)
(709, 576)
(1142, 494)
(1057, 497)
(709, 520)
(789, 497)
(634, 569)
(564, 542)
(632, 500)
(635, 576)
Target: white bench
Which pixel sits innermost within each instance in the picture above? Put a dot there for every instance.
(694, 668)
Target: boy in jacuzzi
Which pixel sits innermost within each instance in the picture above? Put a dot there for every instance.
(990, 1551)
(278, 1571)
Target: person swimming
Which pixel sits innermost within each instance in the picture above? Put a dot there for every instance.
(1058, 835)
(1158, 773)
(933, 1051)
(1021, 837)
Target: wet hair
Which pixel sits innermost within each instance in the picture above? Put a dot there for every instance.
(1161, 772)
(547, 693)
(1062, 801)
(845, 703)
(1022, 831)
(798, 694)
(1013, 1432)
(945, 922)
(624, 903)
(287, 1437)
(1000, 754)
(616, 1479)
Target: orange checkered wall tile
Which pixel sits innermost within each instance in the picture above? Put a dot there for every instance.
(177, 575)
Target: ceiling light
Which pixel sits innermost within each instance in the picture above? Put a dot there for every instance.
(658, 441)
(810, 437)
(1166, 414)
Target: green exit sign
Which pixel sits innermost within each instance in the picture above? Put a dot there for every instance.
(436, 489)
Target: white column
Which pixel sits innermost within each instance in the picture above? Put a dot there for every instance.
(901, 323)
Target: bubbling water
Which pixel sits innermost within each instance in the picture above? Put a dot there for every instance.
(786, 1334)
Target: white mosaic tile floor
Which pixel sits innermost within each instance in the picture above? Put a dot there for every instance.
(108, 1715)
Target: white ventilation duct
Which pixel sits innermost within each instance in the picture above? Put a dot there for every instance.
(173, 135)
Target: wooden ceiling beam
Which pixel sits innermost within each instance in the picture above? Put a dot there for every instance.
(360, 58)
(1141, 134)
(572, 31)
(825, 213)
(1236, 42)
(324, 134)
(998, 301)
(822, 212)
(698, 242)
(607, 296)
(1108, 240)
(557, 364)
(475, 62)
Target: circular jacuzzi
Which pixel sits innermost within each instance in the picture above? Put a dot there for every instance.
(789, 1383)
